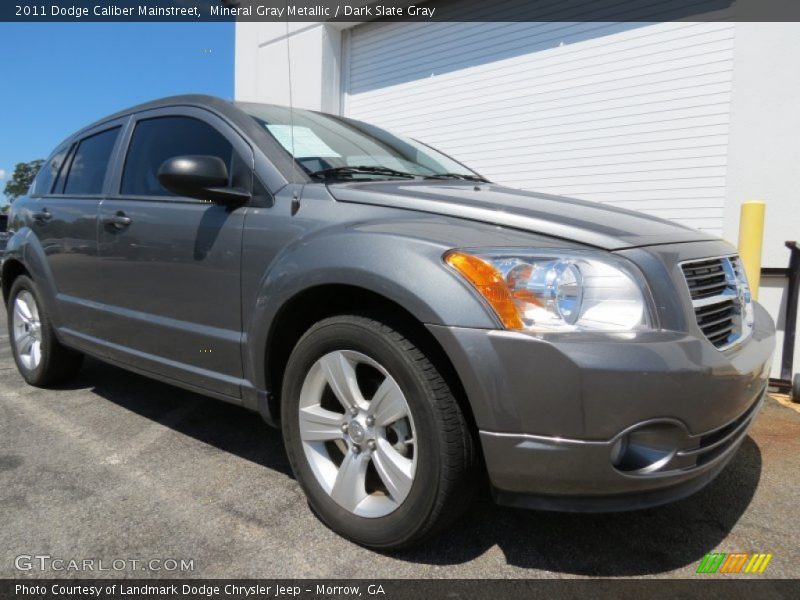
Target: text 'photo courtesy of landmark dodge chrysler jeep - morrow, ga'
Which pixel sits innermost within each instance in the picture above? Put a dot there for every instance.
(408, 324)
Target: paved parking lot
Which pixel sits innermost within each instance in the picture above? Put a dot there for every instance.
(115, 466)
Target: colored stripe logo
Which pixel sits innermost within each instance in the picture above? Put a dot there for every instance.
(735, 562)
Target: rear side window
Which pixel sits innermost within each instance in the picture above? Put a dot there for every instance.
(89, 164)
(48, 173)
(156, 140)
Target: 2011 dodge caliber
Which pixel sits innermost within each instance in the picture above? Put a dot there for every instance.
(408, 324)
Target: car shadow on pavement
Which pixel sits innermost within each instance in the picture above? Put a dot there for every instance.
(230, 428)
(650, 541)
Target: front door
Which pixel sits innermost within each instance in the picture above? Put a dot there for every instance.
(170, 265)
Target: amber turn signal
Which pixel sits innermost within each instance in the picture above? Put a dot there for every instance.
(490, 284)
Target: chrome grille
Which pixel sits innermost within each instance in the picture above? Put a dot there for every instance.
(720, 298)
(705, 278)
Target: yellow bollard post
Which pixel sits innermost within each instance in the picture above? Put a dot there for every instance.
(751, 239)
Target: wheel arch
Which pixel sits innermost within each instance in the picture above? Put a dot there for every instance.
(26, 256)
(12, 268)
(304, 309)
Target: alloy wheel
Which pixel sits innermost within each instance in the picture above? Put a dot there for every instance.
(358, 433)
(27, 330)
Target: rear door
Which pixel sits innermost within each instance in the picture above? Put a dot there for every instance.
(65, 202)
(170, 265)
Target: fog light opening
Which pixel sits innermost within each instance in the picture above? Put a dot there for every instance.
(618, 450)
(647, 448)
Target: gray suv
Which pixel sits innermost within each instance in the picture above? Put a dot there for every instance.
(409, 325)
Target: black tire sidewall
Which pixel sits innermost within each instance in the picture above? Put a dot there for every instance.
(413, 514)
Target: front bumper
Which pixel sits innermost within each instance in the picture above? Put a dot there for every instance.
(551, 411)
(556, 474)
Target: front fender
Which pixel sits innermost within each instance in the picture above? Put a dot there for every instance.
(406, 270)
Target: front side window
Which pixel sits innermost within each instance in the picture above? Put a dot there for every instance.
(159, 139)
(87, 172)
(331, 147)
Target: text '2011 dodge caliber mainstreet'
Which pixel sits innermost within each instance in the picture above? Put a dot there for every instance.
(407, 323)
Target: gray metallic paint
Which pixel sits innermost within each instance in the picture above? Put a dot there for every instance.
(188, 276)
(580, 221)
(592, 386)
(557, 473)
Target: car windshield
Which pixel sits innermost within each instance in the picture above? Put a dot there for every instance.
(330, 147)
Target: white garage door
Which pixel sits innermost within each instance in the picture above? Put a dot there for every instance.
(631, 114)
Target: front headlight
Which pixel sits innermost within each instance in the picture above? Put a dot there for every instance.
(552, 291)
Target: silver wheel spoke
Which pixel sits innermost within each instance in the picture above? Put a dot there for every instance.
(34, 308)
(395, 470)
(25, 343)
(341, 376)
(36, 352)
(388, 404)
(319, 425)
(24, 307)
(23, 315)
(349, 488)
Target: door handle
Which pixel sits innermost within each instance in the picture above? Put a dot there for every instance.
(42, 216)
(119, 221)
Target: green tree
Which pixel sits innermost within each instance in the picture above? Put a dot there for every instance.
(22, 178)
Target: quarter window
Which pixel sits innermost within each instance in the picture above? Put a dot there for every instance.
(48, 173)
(87, 170)
(157, 140)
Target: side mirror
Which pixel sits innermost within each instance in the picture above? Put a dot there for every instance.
(201, 177)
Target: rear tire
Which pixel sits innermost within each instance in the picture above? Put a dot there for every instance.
(41, 359)
(374, 434)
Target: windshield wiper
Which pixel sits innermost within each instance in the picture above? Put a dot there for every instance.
(369, 170)
(376, 170)
(457, 176)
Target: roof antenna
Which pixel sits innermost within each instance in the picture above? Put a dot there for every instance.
(295, 195)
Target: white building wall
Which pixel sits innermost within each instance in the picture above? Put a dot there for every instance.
(263, 52)
(628, 114)
(764, 150)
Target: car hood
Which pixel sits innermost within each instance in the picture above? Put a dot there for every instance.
(582, 221)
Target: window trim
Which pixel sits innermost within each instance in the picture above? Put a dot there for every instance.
(64, 168)
(240, 145)
(73, 143)
(74, 153)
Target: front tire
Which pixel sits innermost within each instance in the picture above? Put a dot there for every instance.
(374, 434)
(41, 359)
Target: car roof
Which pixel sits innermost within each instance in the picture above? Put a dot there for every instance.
(223, 108)
(201, 100)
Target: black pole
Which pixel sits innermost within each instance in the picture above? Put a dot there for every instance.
(787, 357)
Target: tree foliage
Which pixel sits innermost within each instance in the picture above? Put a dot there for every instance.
(21, 179)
